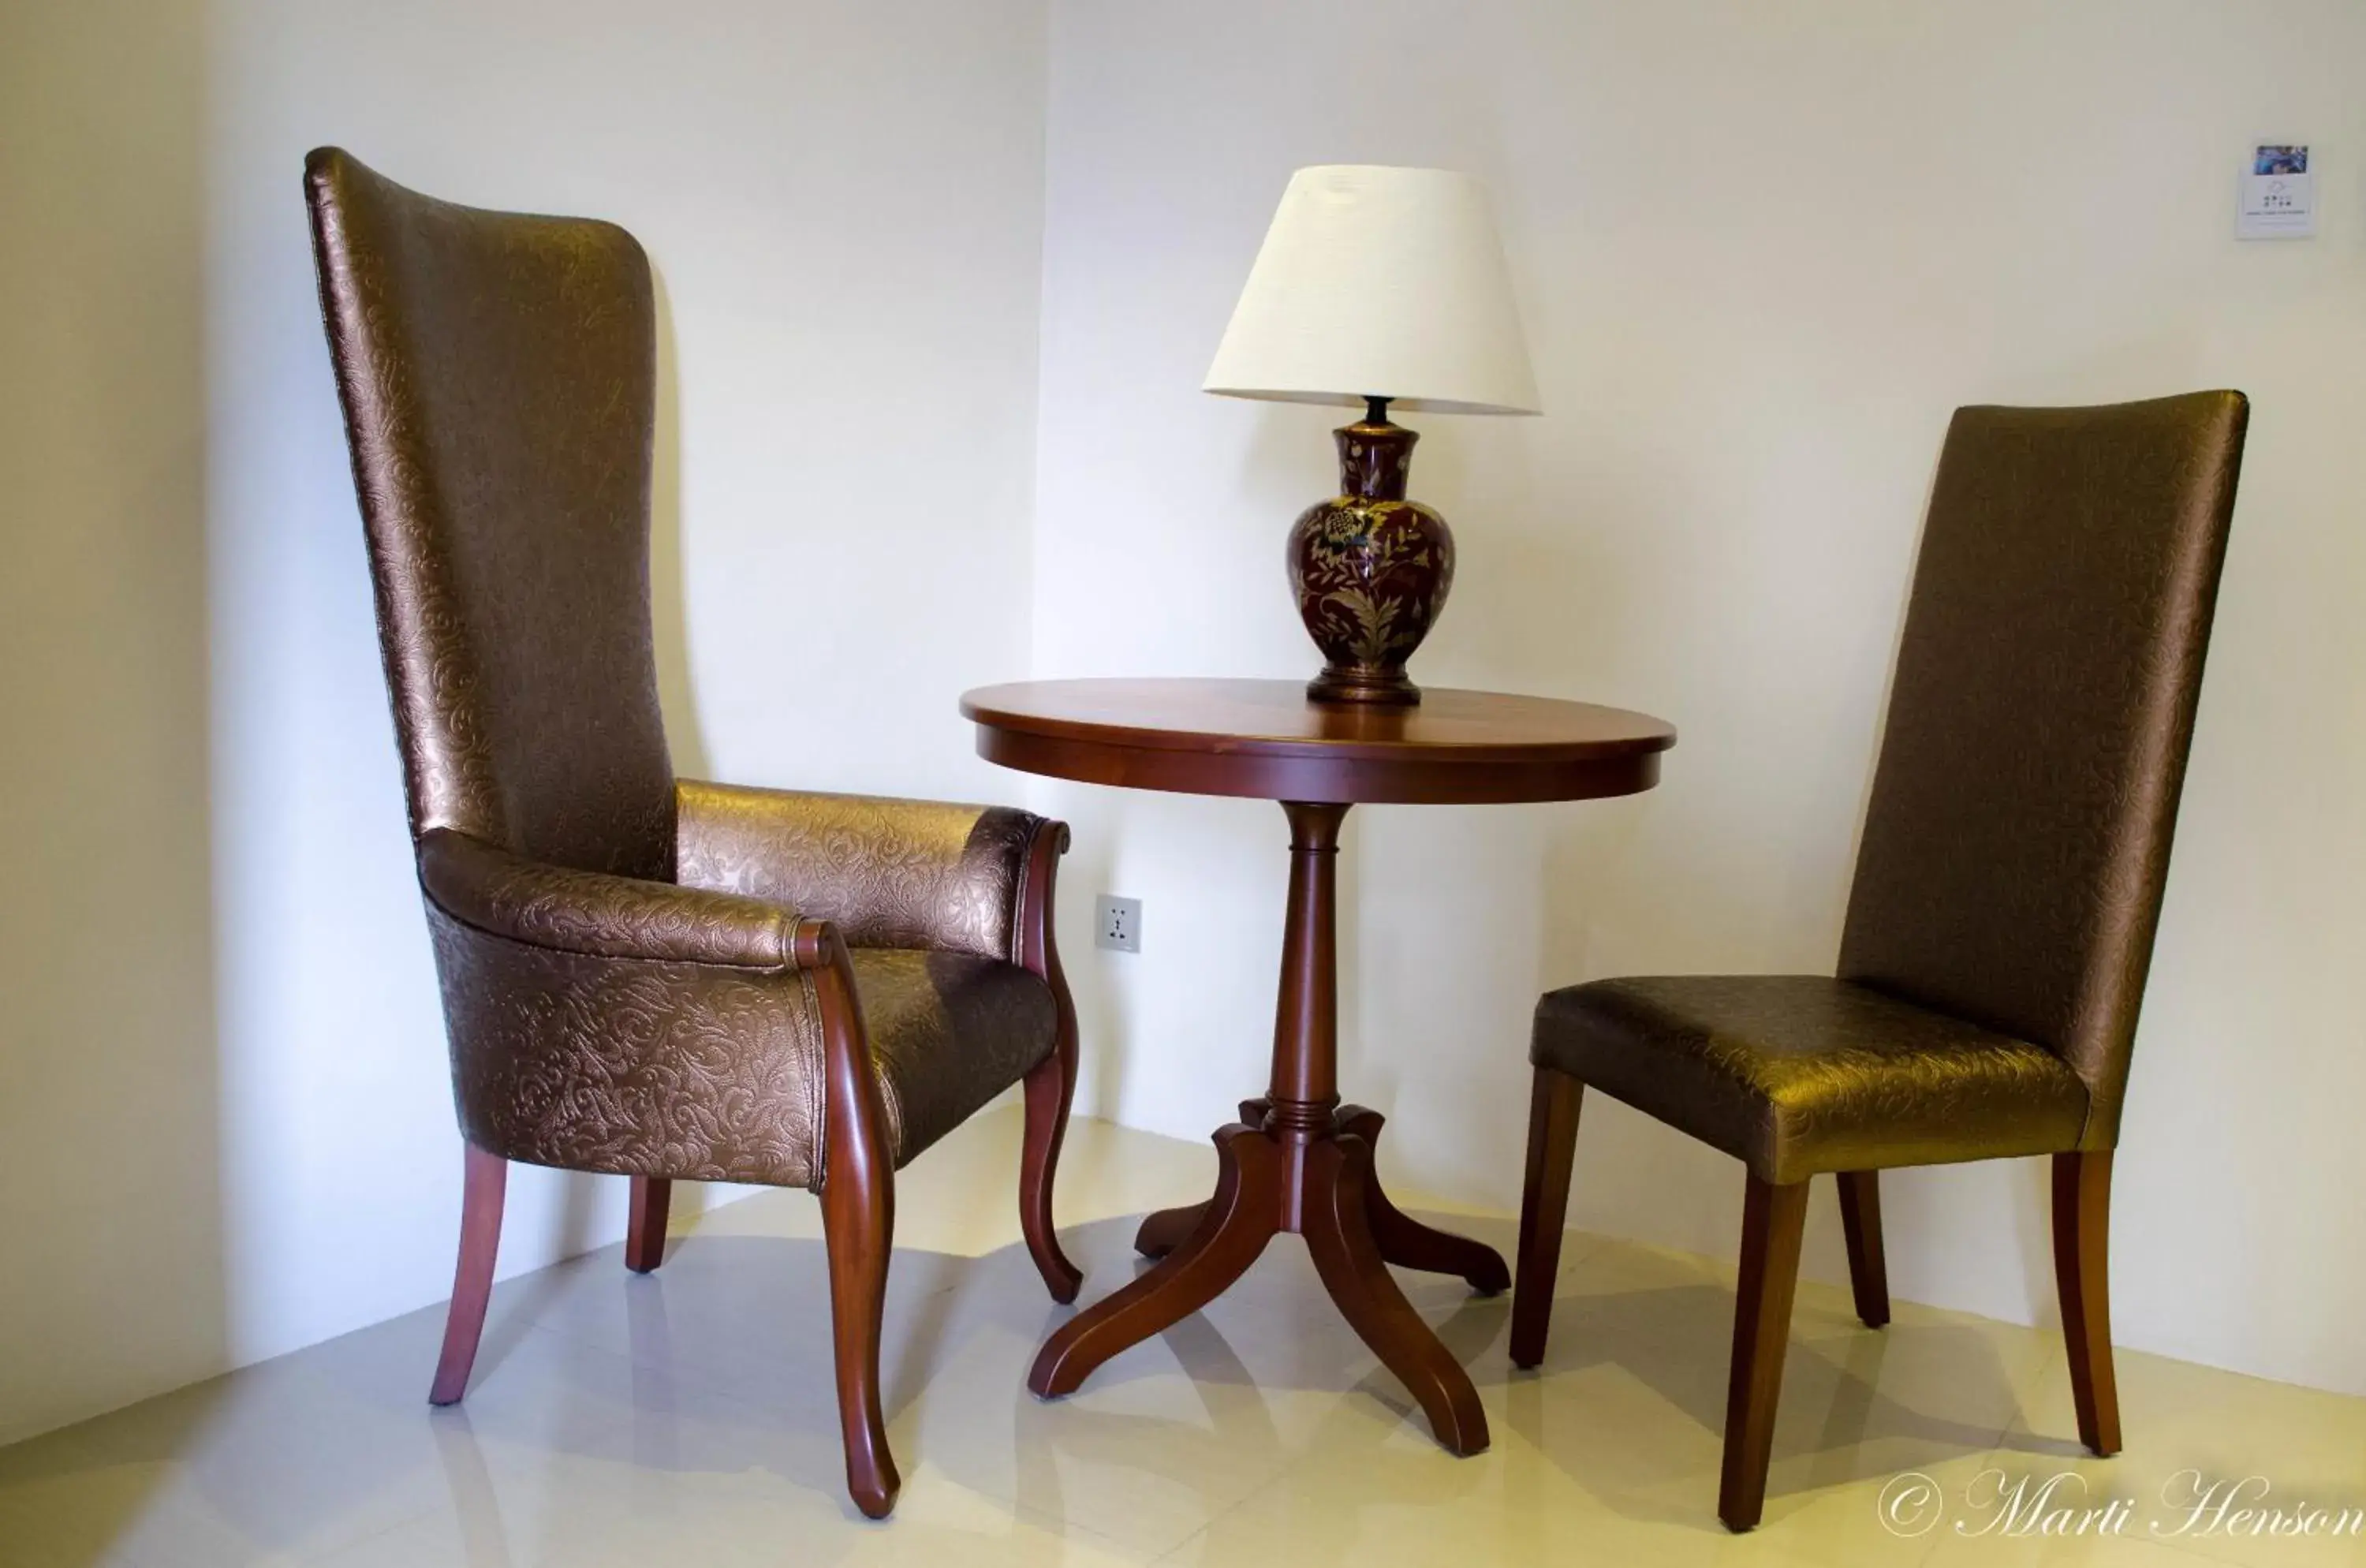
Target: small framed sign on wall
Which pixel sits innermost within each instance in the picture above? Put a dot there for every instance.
(2278, 200)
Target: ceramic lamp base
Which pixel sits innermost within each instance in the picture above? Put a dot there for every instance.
(1370, 569)
(1375, 688)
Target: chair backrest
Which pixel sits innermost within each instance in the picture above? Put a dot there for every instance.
(2017, 843)
(498, 373)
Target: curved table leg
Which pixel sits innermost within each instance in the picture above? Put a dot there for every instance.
(1406, 1241)
(1162, 1232)
(1403, 1240)
(1338, 1233)
(1167, 1229)
(1236, 1223)
(1297, 1161)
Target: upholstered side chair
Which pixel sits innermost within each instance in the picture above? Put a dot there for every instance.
(646, 975)
(2001, 923)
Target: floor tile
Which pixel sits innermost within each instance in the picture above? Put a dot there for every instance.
(62, 1507)
(690, 1416)
(2202, 1446)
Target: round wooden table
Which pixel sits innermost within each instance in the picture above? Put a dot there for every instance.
(1298, 1159)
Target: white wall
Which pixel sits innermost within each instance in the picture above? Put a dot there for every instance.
(1761, 251)
(227, 1124)
(110, 1269)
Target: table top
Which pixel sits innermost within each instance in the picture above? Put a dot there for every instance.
(1264, 740)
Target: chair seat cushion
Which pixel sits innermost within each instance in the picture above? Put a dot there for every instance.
(1796, 1075)
(949, 1031)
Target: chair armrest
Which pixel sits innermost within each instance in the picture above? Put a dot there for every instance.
(907, 873)
(598, 915)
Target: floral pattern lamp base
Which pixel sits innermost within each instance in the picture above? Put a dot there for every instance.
(1370, 569)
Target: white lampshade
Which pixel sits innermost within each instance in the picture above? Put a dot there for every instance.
(1379, 282)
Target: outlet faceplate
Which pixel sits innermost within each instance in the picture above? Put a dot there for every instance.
(1117, 924)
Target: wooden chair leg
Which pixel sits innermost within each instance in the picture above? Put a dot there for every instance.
(858, 1217)
(644, 1232)
(1861, 1224)
(1049, 1090)
(2083, 1215)
(1772, 1219)
(857, 1227)
(486, 1180)
(1544, 1209)
(1052, 1083)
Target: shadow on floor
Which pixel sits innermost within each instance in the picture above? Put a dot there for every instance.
(708, 1387)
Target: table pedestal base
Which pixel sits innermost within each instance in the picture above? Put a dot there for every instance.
(1320, 1184)
(1402, 1240)
(1297, 1161)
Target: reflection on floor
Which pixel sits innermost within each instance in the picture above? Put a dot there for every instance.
(687, 1419)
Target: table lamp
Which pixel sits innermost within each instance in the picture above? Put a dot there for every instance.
(1376, 286)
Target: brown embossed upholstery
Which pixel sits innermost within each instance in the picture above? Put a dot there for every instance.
(498, 376)
(924, 1008)
(618, 948)
(1797, 1074)
(890, 872)
(642, 976)
(2001, 924)
(2017, 843)
(644, 1029)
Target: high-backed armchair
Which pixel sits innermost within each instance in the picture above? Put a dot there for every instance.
(642, 976)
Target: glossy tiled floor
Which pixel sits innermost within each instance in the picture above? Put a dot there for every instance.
(687, 1419)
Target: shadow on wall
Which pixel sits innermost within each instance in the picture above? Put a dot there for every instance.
(669, 607)
(1173, 1039)
(110, 1069)
(677, 692)
(129, 678)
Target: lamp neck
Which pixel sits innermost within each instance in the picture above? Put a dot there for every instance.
(1375, 456)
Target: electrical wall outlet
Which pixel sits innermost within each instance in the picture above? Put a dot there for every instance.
(1117, 924)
